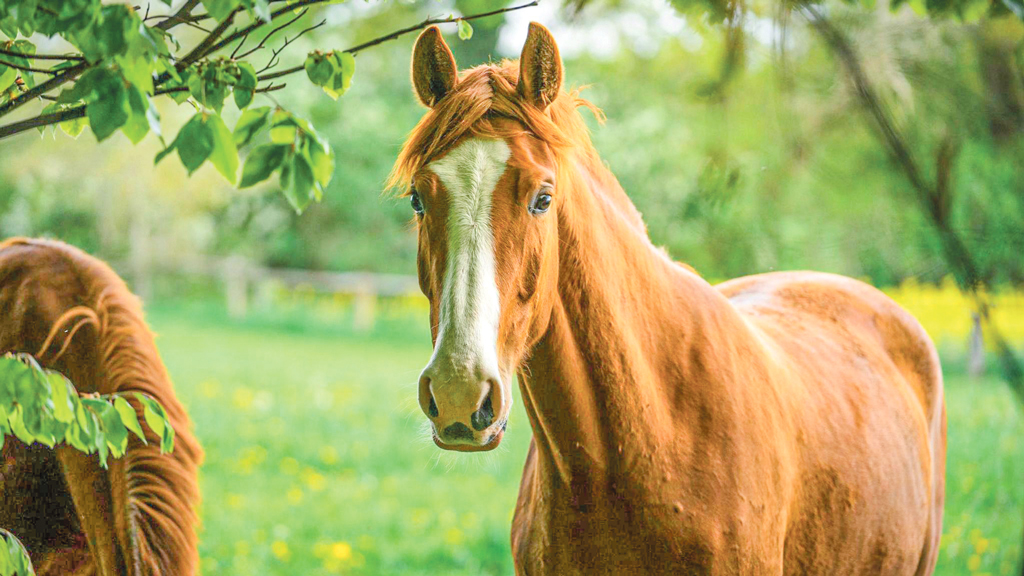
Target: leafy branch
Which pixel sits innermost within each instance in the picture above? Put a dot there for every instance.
(70, 57)
(40, 405)
(124, 62)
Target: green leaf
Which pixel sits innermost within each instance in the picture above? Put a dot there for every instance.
(63, 406)
(465, 30)
(261, 163)
(74, 127)
(319, 69)
(48, 109)
(27, 389)
(251, 122)
(220, 9)
(283, 134)
(207, 85)
(114, 434)
(7, 77)
(321, 160)
(129, 417)
(224, 156)
(299, 190)
(106, 36)
(138, 124)
(16, 420)
(344, 69)
(100, 443)
(108, 109)
(262, 10)
(6, 560)
(245, 87)
(75, 437)
(285, 182)
(195, 142)
(83, 87)
(10, 368)
(14, 557)
(157, 420)
(114, 429)
(163, 153)
(178, 80)
(137, 70)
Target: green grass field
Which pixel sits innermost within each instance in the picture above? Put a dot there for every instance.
(317, 461)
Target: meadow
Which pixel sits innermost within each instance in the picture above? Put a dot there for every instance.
(317, 461)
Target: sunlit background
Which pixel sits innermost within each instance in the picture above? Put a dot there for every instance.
(745, 149)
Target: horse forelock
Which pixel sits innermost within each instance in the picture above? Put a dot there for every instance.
(485, 93)
(161, 489)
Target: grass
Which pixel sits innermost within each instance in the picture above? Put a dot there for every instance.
(317, 462)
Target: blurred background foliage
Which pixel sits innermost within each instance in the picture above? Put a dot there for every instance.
(741, 162)
(744, 145)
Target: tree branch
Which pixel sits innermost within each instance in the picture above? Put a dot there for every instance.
(931, 199)
(179, 17)
(431, 22)
(270, 34)
(28, 68)
(273, 16)
(68, 75)
(203, 49)
(287, 41)
(41, 120)
(404, 31)
(41, 56)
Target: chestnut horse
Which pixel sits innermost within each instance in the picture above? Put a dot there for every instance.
(138, 517)
(788, 423)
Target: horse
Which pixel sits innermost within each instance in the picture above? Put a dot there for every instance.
(138, 517)
(786, 423)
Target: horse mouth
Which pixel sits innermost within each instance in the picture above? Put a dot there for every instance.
(492, 442)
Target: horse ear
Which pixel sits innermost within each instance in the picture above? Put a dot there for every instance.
(433, 67)
(540, 68)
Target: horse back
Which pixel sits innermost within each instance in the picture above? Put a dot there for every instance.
(863, 385)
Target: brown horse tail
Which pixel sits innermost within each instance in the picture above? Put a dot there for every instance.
(139, 517)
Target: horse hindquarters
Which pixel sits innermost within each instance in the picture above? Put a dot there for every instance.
(138, 516)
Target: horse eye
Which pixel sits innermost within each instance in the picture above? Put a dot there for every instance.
(540, 204)
(417, 204)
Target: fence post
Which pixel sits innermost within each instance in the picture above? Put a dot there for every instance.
(236, 286)
(975, 348)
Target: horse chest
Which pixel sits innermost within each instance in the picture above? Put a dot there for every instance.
(557, 531)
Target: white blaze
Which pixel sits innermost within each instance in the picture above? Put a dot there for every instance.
(470, 309)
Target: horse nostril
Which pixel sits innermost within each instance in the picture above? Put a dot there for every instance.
(432, 411)
(458, 431)
(483, 417)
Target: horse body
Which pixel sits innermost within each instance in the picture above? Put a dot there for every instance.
(782, 424)
(779, 424)
(137, 517)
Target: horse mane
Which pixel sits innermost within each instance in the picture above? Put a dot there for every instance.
(159, 492)
(481, 94)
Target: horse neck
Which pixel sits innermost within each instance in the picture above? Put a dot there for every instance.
(601, 384)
